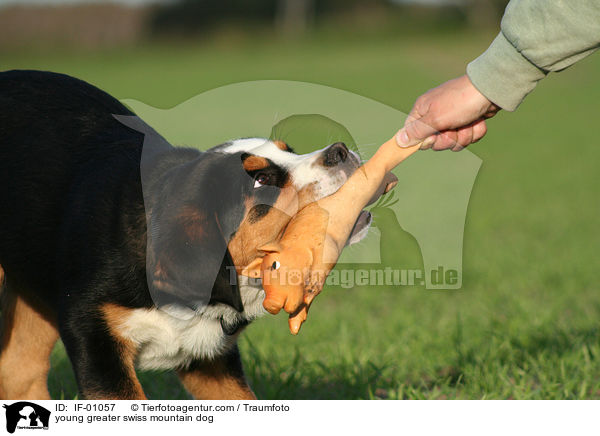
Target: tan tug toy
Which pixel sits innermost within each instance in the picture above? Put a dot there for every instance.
(294, 268)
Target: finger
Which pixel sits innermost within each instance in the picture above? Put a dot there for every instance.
(413, 116)
(445, 140)
(492, 111)
(419, 109)
(479, 130)
(464, 138)
(428, 142)
(471, 134)
(414, 132)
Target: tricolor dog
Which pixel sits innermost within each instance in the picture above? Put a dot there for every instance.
(83, 245)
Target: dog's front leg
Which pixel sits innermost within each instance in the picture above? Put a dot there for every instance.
(103, 360)
(221, 378)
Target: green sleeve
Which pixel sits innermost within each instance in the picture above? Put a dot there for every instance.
(537, 37)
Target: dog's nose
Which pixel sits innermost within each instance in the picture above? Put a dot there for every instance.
(336, 154)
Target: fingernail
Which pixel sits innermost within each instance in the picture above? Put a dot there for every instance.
(427, 143)
(402, 138)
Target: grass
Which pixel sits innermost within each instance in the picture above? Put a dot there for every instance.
(525, 325)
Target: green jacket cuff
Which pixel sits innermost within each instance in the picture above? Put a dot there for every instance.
(503, 74)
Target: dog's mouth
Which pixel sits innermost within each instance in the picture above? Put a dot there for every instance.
(364, 220)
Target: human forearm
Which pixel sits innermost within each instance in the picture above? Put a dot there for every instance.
(537, 37)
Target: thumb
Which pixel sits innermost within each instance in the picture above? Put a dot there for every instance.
(414, 132)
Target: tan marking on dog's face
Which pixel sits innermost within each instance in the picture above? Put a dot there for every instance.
(281, 145)
(250, 235)
(253, 163)
(28, 337)
(115, 316)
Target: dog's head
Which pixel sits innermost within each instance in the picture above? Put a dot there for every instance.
(213, 212)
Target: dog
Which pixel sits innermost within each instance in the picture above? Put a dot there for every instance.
(90, 236)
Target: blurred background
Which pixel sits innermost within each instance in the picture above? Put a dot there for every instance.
(526, 322)
(97, 24)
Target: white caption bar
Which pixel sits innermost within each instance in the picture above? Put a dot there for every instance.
(301, 417)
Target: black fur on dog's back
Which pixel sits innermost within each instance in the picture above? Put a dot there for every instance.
(58, 162)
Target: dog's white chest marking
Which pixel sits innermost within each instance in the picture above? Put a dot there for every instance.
(167, 342)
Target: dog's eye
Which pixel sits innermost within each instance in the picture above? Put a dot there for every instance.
(275, 265)
(261, 179)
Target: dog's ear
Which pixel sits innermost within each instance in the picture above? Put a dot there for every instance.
(188, 261)
(226, 290)
(193, 210)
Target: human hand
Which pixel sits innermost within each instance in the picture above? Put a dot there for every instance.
(450, 116)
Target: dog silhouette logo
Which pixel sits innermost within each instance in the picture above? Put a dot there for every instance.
(26, 415)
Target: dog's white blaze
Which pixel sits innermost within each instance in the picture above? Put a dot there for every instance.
(167, 342)
(301, 167)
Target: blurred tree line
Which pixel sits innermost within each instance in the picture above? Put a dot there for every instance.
(107, 24)
(296, 16)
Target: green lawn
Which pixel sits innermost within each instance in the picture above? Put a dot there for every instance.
(526, 324)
